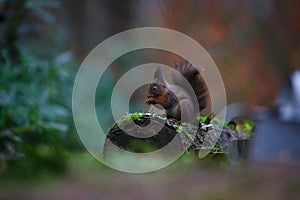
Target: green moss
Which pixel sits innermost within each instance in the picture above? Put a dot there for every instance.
(231, 126)
(136, 116)
(247, 127)
(216, 120)
(202, 118)
(217, 149)
(179, 129)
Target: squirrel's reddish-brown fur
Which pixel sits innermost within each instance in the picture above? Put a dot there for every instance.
(177, 98)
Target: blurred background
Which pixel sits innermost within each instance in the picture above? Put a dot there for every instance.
(255, 45)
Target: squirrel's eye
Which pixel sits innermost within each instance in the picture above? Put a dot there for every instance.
(154, 88)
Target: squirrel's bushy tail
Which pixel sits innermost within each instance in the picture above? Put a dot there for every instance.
(193, 76)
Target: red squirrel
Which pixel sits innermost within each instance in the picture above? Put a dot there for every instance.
(175, 98)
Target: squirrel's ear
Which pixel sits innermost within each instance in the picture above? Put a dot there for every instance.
(158, 76)
(158, 73)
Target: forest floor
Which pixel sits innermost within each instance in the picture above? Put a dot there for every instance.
(188, 181)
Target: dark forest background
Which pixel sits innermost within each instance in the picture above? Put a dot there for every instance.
(254, 43)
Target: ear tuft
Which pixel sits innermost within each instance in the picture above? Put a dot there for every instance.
(158, 77)
(158, 74)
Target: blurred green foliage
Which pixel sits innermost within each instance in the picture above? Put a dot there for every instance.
(35, 96)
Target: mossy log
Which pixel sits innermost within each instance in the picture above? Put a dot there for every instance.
(140, 142)
(148, 140)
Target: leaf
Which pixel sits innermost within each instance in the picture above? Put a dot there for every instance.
(56, 126)
(64, 57)
(43, 14)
